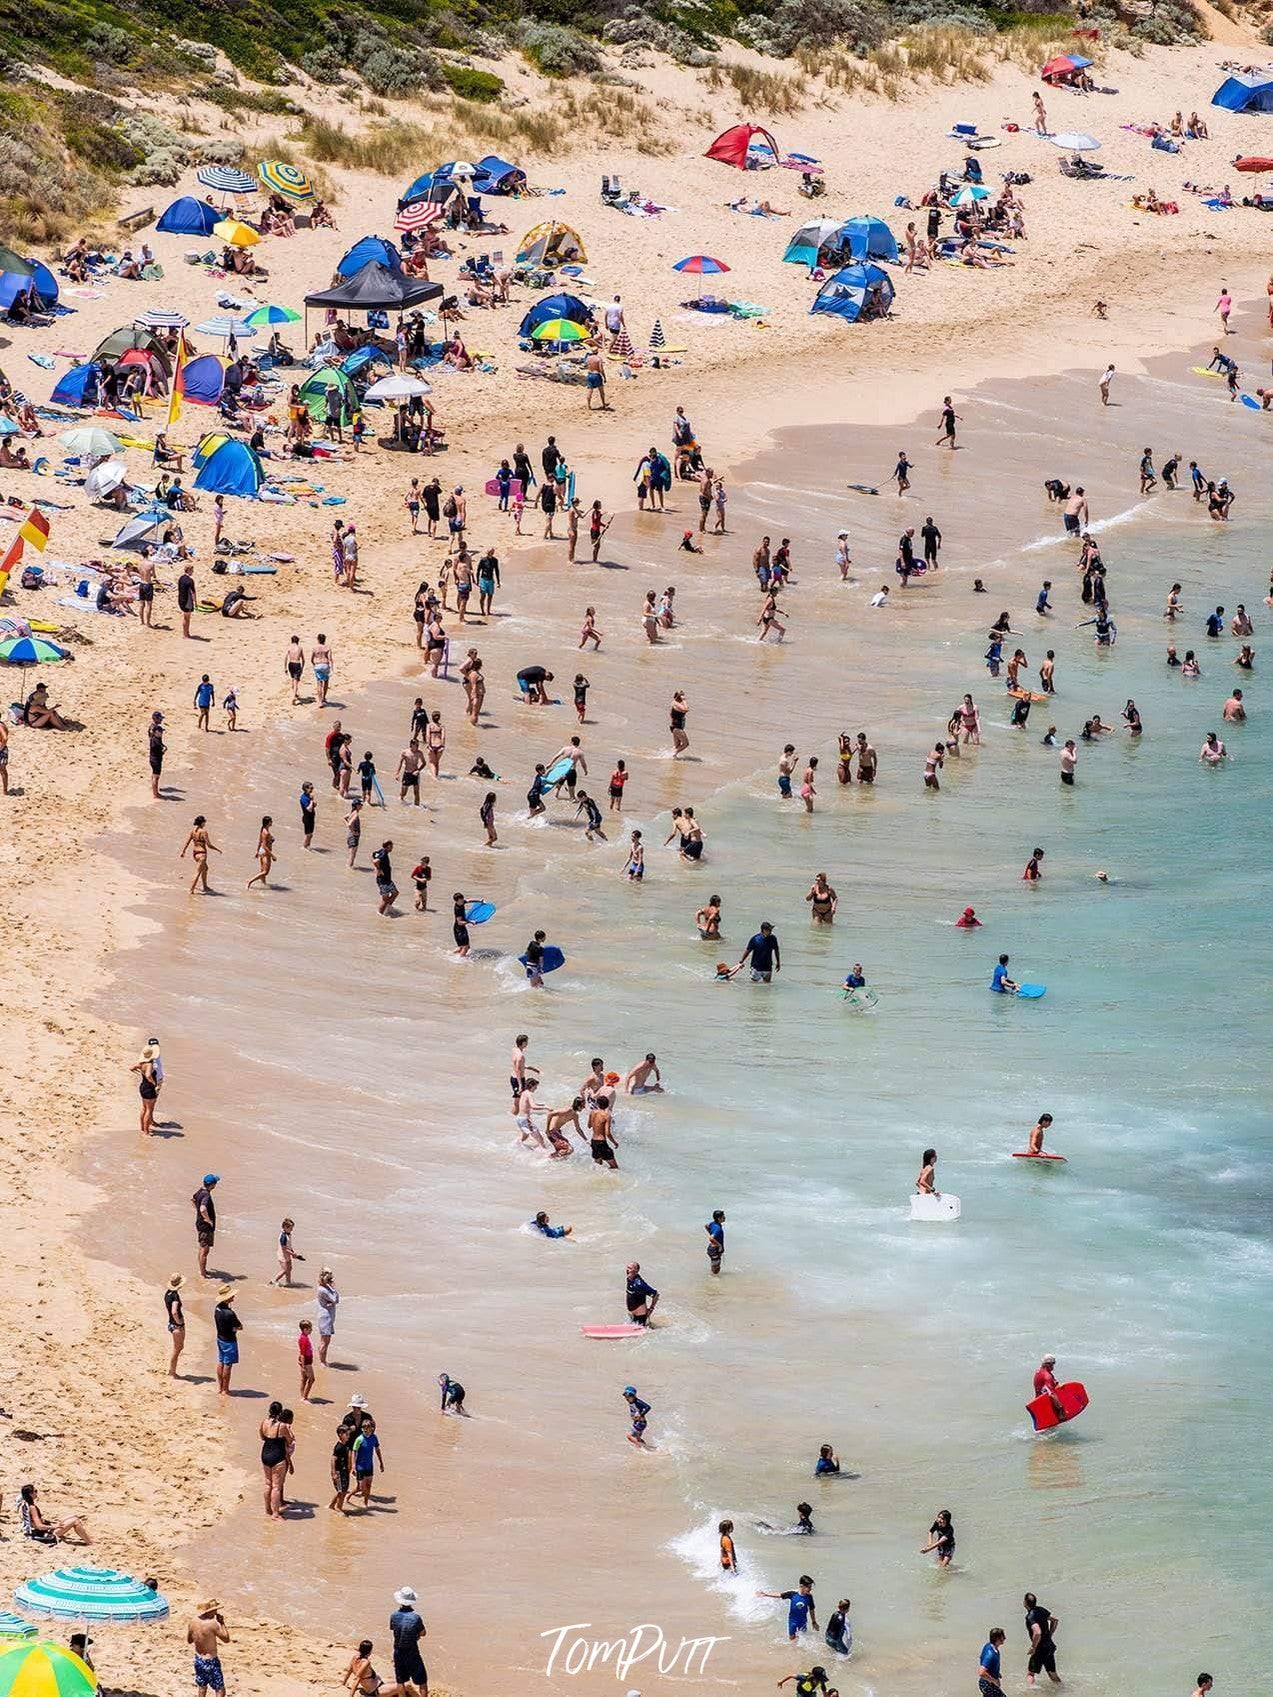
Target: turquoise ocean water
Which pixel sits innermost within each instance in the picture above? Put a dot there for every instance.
(359, 1084)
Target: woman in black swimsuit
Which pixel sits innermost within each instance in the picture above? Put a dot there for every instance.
(276, 1445)
(147, 1089)
(176, 1321)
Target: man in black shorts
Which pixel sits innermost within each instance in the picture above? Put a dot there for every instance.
(157, 750)
(1041, 1624)
(205, 1219)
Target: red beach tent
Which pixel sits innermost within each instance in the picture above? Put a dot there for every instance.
(731, 147)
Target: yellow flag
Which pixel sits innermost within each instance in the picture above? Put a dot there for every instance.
(174, 397)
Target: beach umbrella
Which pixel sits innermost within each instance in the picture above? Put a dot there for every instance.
(90, 1594)
(264, 316)
(225, 179)
(223, 325)
(236, 233)
(14, 265)
(701, 265)
(658, 338)
(90, 439)
(8, 427)
(13, 1626)
(622, 345)
(559, 330)
(285, 179)
(105, 479)
(417, 214)
(969, 195)
(136, 532)
(44, 1670)
(30, 651)
(157, 319)
(398, 387)
(461, 169)
(1074, 142)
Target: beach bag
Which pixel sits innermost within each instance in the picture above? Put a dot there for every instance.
(449, 508)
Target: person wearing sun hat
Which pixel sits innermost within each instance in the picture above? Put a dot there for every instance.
(176, 1320)
(408, 1629)
(228, 1327)
(204, 1633)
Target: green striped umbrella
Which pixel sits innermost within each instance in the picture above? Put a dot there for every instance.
(13, 1626)
(44, 1670)
(90, 1593)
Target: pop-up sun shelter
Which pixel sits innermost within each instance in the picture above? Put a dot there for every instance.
(1246, 92)
(365, 251)
(870, 238)
(832, 241)
(1064, 68)
(78, 386)
(810, 240)
(549, 245)
(497, 176)
(188, 217)
(857, 292)
(231, 469)
(315, 390)
(554, 306)
(731, 146)
(376, 288)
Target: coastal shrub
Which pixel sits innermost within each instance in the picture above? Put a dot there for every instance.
(814, 23)
(1169, 22)
(161, 167)
(1266, 35)
(325, 64)
(771, 92)
(110, 46)
(557, 50)
(217, 150)
(393, 70)
(471, 84)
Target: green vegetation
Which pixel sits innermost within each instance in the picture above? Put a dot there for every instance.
(472, 84)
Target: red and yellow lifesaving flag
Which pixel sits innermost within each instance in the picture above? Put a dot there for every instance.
(178, 380)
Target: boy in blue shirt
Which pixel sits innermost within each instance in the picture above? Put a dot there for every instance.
(988, 1666)
(639, 1411)
(1000, 982)
(715, 1229)
(204, 699)
(801, 1613)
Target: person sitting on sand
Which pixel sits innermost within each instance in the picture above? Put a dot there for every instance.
(320, 218)
(13, 459)
(127, 266)
(457, 355)
(34, 1525)
(39, 714)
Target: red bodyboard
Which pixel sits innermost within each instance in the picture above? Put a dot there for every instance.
(1072, 1398)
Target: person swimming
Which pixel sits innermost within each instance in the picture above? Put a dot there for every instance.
(967, 920)
(828, 1461)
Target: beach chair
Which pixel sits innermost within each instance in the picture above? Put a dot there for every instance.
(611, 191)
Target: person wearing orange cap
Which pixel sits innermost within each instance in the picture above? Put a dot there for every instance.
(967, 920)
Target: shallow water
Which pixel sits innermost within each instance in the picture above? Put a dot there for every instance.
(349, 1073)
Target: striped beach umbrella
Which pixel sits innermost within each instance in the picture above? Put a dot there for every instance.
(417, 214)
(90, 1594)
(222, 325)
(264, 316)
(285, 179)
(969, 195)
(44, 1670)
(622, 345)
(13, 1626)
(225, 179)
(657, 337)
(31, 651)
(157, 319)
(559, 330)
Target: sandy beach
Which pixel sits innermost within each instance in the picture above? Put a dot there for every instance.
(104, 944)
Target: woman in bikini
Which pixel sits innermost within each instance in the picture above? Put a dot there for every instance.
(362, 1679)
(199, 843)
(807, 791)
(650, 618)
(822, 900)
(843, 769)
(970, 721)
(264, 854)
(434, 742)
(436, 646)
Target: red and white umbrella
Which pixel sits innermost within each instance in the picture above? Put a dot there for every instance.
(417, 215)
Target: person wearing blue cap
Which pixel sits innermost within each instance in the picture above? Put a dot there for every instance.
(205, 1219)
(639, 1411)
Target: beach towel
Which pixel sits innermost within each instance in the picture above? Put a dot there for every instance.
(42, 360)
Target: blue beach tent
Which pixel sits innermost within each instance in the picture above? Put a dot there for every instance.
(857, 292)
(811, 240)
(365, 251)
(188, 217)
(870, 238)
(555, 306)
(497, 176)
(78, 386)
(1246, 92)
(357, 363)
(203, 379)
(231, 469)
(45, 283)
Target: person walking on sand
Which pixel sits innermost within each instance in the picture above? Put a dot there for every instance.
(200, 845)
(1107, 377)
(595, 378)
(1040, 114)
(1224, 306)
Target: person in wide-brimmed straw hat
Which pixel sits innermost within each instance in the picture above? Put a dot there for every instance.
(176, 1320)
(228, 1327)
(205, 1633)
(151, 1067)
